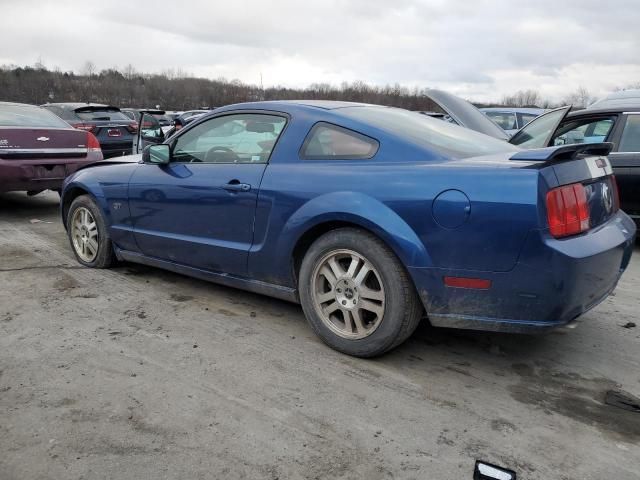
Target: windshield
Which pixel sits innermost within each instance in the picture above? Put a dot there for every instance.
(450, 140)
(29, 116)
(102, 115)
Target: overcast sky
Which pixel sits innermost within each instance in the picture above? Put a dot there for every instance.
(479, 49)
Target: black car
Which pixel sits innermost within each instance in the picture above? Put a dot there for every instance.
(114, 130)
(615, 121)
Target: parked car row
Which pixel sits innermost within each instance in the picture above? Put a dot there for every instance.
(615, 119)
(40, 146)
(114, 130)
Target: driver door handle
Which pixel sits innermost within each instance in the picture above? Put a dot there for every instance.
(236, 186)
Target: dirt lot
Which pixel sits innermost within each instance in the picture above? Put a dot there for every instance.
(135, 373)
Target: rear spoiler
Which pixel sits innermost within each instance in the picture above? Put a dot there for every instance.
(152, 111)
(564, 152)
(97, 108)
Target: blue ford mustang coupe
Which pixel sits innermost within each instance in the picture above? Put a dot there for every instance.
(371, 217)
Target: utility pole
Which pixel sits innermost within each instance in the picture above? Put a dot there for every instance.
(261, 88)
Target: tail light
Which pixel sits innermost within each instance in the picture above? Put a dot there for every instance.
(93, 145)
(132, 127)
(84, 126)
(616, 194)
(567, 210)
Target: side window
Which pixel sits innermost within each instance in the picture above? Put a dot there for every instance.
(239, 138)
(326, 141)
(506, 120)
(630, 141)
(524, 118)
(584, 131)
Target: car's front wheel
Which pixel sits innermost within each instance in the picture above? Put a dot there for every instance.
(356, 294)
(88, 233)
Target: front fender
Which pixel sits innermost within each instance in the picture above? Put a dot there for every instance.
(76, 185)
(108, 186)
(358, 209)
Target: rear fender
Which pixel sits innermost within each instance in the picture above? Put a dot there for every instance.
(360, 210)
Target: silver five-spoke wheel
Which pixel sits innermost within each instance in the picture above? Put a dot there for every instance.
(84, 234)
(348, 294)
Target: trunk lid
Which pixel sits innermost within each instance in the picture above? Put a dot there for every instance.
(466, 114)
(36, 143)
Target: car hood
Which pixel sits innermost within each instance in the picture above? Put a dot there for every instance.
(115, 161)
(467, 115)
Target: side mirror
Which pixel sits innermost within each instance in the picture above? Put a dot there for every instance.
(158, 154)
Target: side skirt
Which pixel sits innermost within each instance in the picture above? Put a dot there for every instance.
(255, 286)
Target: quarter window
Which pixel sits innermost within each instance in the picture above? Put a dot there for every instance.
(326, 142)
(630, 141)
(240, 138)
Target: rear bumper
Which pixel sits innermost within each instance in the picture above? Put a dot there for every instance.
(553, 283)
(37, 175)
(116, 149)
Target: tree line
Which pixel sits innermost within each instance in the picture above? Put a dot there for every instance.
(177, 90)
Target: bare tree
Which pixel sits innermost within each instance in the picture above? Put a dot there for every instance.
(522, 98)
(580, 98)
(89, 68)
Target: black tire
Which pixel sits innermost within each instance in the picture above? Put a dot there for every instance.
(105, 256)
(403, 309)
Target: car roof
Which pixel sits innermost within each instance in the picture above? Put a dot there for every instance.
(16, 104)
(633, 107)
(297, 104)
(513, 109)
(614, 99)
(74, 105)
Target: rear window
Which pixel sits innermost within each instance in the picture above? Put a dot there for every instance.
(29, 116)
(450, 140)
(98, 115)
(506, 120)
(327, 141)
(526, 118)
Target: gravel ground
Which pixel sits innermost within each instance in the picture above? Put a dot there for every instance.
(136, 373)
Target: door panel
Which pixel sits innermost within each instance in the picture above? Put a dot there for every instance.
(186, 213)
(199, 210)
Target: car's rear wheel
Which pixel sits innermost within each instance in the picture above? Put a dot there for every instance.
(88, 233)
(356, 294)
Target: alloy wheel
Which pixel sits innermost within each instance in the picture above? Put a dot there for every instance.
(348, 294)
(84, 234)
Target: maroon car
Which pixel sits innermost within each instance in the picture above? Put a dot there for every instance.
(38, 149)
